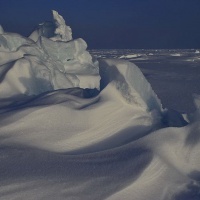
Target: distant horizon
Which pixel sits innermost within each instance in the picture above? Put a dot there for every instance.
(113, 24)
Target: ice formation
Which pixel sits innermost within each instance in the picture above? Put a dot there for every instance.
(62, 139)
(63, 32)
(38, 64)
(56, 30)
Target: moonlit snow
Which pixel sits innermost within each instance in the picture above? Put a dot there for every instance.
(80, 128)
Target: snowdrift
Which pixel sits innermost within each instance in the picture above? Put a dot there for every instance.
(72, 127)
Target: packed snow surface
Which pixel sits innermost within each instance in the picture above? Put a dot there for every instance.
(74, 127)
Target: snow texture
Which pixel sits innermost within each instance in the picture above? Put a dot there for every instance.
(61, 138)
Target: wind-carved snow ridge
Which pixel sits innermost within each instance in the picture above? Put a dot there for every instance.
(56, 30)
(131, 83)
(61, 138)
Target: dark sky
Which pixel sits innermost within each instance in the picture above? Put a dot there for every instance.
(112, 23)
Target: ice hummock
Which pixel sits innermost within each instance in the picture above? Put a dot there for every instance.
(61, 141)
(63, 32)
(40, 63)
(56, 30)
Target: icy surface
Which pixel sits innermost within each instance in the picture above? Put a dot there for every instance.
(60, 141)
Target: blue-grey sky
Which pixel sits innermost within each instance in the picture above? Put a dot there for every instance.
(112, 23)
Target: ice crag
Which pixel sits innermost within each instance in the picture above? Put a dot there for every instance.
(56, 30)
(38, 64)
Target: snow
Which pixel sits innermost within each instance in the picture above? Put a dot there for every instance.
(176, 54)
(1, 29)
(131, 82)
(197, 101)
(130, 56)
(56, 30)
(72, 127)
(63, 32)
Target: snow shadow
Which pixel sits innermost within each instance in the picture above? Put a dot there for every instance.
(106, 172)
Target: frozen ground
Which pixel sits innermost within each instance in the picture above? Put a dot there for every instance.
(173, 74)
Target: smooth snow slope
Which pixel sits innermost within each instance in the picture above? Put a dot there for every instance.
(68, 142)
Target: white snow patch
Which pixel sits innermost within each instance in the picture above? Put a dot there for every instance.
(130, 56)
(176, 54)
